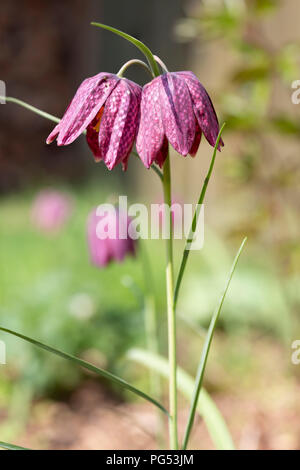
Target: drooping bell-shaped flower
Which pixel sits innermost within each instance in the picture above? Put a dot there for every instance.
(50, 211)
(108, 237)
(107, 107)
(175, 108)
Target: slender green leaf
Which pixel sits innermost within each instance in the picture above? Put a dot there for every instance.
(103, 373)
(6, 446)
(206, 407)
(139, 44)
(205, 351)
(35, 110)
(186, 251)
(9, 99)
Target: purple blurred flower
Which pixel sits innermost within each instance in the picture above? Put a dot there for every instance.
(107, 107)
(108, 237)
(50, 211)
(175, 107)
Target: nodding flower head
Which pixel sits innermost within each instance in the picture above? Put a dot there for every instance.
(107, 107)
(175, 107)
(108, 237)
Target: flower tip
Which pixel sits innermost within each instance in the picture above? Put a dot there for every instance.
(221, 144)
(49, 140)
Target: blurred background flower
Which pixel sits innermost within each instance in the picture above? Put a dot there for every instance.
(51, 210)
(106, 243)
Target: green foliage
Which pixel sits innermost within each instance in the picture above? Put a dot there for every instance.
(262, 125)
(49, 289)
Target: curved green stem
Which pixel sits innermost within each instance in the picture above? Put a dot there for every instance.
(133, 62)
(153, 167)
(139, 44)
(45, 115)
(161, 63)
(186, 251)
(171, 313)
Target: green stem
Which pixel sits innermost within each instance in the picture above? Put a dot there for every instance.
(133, 62)
(186, 251)
(161, 63)
(153, 167)
(171, 313)
(31, 108)
(151, 331)
(139, 44)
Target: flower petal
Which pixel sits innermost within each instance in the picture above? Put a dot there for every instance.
(162, 153)
(92, 135)
(88, 100)
(52, 136)
(100, 254)
(150, 135)
(119, 124)
(197, 140)
(203, 108)
(177, 112)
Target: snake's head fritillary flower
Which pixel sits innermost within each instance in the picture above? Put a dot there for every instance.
(175, 107)
(50, 211)
(108, 237)
(107, 107)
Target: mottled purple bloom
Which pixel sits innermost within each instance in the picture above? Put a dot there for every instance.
(175, 107)
(107, 107)
(50, 211)
(108, 237)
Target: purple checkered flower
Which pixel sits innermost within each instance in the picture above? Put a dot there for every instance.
(107, 107)
(175, 107)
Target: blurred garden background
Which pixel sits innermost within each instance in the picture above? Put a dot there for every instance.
(246, 53)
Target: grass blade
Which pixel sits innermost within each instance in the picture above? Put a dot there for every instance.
(186, 251)
(205, 351)
(6, 446)
(206, 407)
(139, 44)
(103, 373)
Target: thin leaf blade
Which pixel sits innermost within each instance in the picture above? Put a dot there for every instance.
(7, 446)
(139, 44)
(186, 251)
(206, 407)
(206, 348)
(80, 362)
(50, 117)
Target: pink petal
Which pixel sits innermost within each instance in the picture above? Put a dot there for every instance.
(120, 247)
(52, 136)
(203, 108)
(197, 140)
(162, 153)
(112, 123)
(99, 249)
(150, 137)
(177, 112)
(124, 123)
(92, 137)
(88, 100)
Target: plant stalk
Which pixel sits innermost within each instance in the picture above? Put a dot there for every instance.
(171, 312)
